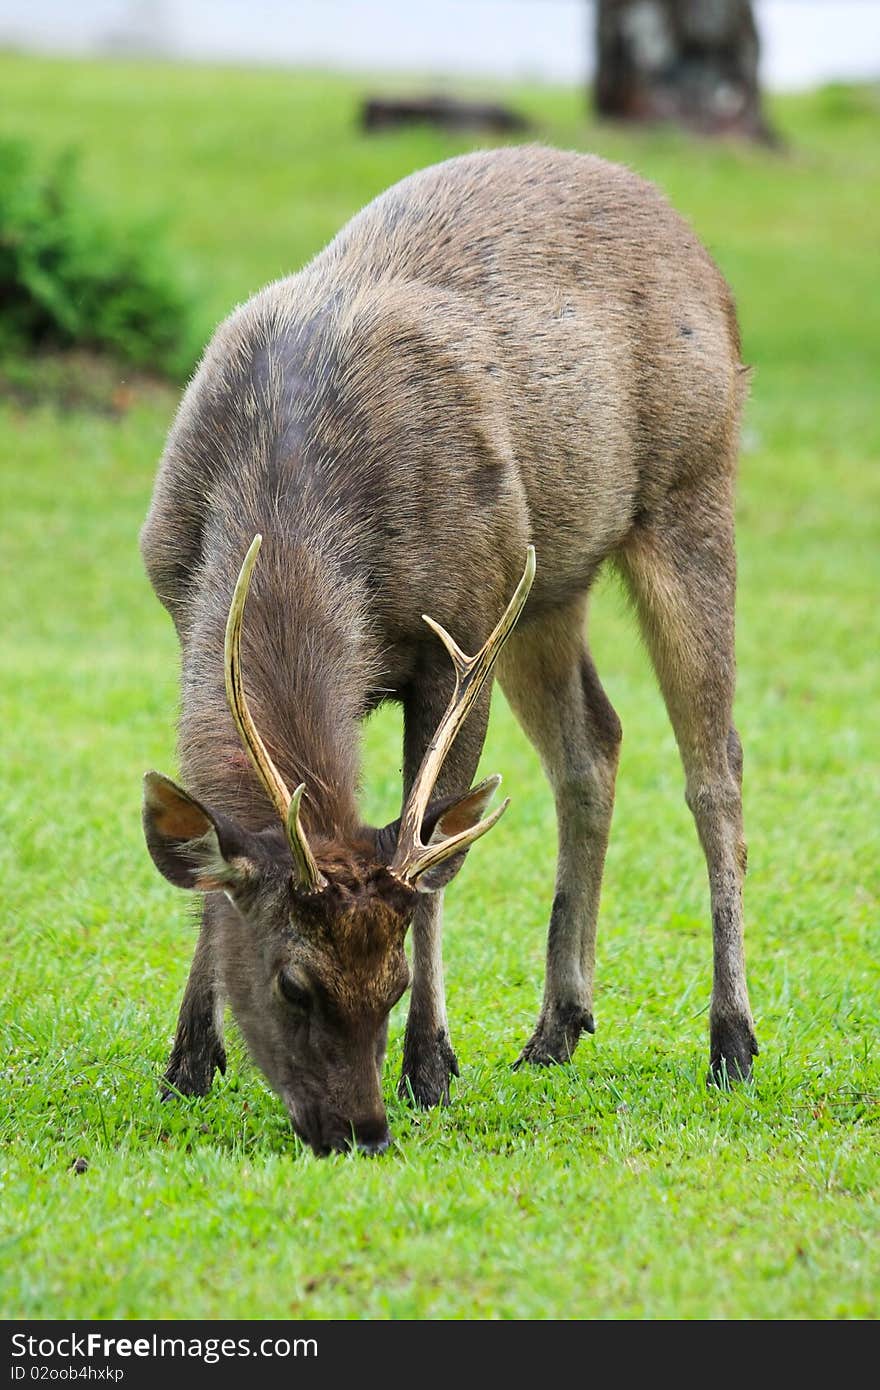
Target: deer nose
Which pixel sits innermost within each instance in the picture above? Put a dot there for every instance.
(372, 1137)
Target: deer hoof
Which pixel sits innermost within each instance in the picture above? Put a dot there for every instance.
(556, 1037)
(191, 1074)
(426, 1074)
(732, 1047)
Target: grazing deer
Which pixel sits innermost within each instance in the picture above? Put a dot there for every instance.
(512, 348)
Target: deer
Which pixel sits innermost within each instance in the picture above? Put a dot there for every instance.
(516, 355)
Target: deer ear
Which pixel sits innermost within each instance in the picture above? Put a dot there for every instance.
(445, 817)
(193, 847)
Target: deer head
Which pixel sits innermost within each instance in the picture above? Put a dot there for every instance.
(312, 952)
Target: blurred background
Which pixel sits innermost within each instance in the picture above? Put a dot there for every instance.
(804, 42)
(132, 94)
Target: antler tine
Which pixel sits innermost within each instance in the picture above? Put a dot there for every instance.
(307, 869)
(430, 855)
(411, 857)
(286, 805)
(460, 660)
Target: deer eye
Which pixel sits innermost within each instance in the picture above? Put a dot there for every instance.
(295, 993)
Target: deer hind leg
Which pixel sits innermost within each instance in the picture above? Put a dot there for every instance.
(198, 1049)
(429, 1062)
(681, 569)
(551, 683)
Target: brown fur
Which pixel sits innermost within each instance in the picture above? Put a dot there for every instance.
(512, 347)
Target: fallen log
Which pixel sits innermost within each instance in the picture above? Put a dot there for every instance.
(387, 113)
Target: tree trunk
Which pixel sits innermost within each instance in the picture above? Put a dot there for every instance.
(694, 62)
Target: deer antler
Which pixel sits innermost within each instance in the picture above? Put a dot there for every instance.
(287, 806)
(411, 857)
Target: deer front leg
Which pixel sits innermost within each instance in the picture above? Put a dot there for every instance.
(551, 683)
(198, 1043)
(429, 1062)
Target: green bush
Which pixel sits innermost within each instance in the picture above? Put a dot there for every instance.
(69, 277)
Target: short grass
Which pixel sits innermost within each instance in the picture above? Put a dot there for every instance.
(616, 1187)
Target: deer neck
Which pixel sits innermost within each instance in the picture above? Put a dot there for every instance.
(307, 661)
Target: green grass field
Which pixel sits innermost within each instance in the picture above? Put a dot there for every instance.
(617, 1187)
